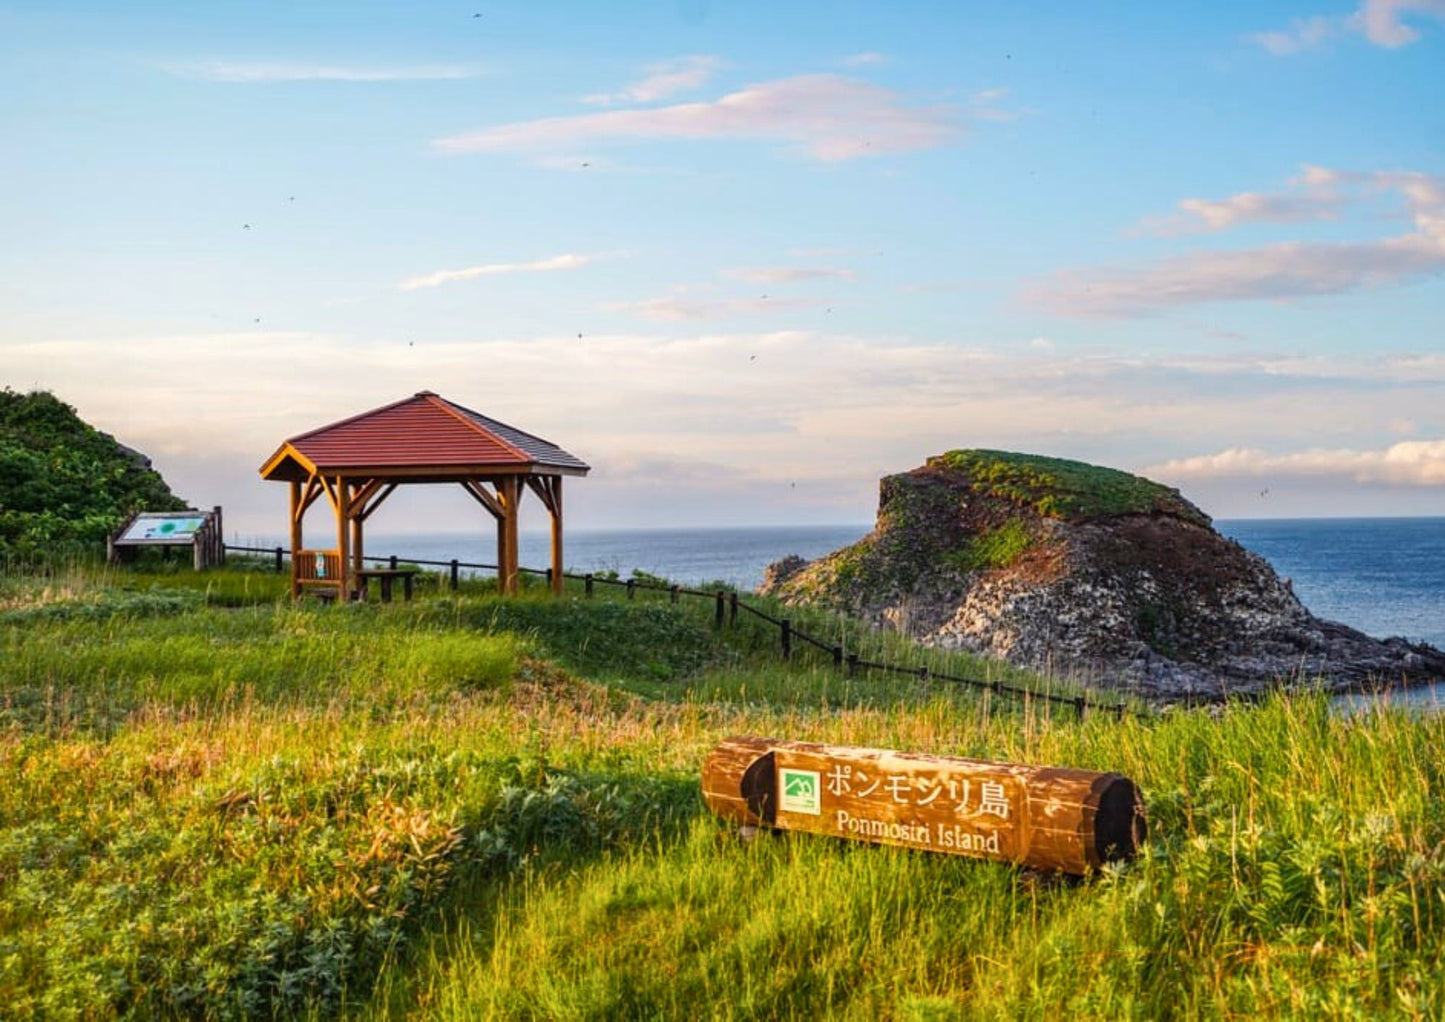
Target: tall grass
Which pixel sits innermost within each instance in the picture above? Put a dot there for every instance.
(473, 807)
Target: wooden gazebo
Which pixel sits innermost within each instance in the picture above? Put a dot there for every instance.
(358, 462)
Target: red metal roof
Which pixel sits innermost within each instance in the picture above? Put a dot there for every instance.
(427, 430)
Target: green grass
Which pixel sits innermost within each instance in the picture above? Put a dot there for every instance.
(218, 804)
(994, 549)
(1060, 488)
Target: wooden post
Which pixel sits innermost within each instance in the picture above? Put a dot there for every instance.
(343, 539)
(837, 656)
(732, 608)
(852, 664)
(721, 605)
(456, 576)
(501, 542)
(673, 592)
(587, 584)
(1046, 818)
(296, 517)
(556, 509)
(357, 545)
(787, 637)
(631, 587)
(220, 548)
(512, 490)
(391, 562)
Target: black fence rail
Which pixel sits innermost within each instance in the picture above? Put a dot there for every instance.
(727, 607)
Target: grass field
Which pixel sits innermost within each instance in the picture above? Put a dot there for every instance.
(217, 804)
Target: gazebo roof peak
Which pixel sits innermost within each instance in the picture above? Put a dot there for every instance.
(422, 432)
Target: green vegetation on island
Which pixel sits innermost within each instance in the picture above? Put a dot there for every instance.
(1060, 488)
(63, 484)
(219, 804)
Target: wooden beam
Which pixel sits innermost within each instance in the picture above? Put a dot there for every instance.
(555, 507)
(484, 497)
(297, 513)
(312, 491)
(331, 493)
(511, 494)
(542, 487)
(363, 492)
(357, 545)
(376, 501)
(449, 473)
(343, 538)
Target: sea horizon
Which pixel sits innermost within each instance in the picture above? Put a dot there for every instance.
(1384, 575)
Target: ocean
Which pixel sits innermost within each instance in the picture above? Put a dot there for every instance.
(1384, 576)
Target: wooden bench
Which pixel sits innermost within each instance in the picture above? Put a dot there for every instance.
(387, 576)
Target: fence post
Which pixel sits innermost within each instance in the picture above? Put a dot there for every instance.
(674, 594)
(549, 578)
(923, 673)
(456, 575)
(787, 637)
(587, 583)
(837, 656)
(718, 617)
(1079, 705)
(852, 664)
(732, 608)
(392, 562)
(631, 588)
(278, 560)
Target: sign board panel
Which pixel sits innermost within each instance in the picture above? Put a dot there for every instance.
(1046, 817)
(179, 529)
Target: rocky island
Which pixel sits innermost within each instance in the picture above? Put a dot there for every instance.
(1090, 572)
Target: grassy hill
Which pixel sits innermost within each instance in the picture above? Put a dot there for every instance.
(222, 805)
(64, 484)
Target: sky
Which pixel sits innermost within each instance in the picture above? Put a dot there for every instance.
(742, 258)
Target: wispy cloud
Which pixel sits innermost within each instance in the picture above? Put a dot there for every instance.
(676, 309)
(682, 74)
(866, 59)
(1273, 272)
(570, 261)
(1196, 216)
(787, 274)
(245, 72)
(1382, 22)
(1408, 463)
(829, 117)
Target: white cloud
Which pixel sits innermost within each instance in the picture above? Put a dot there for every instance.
(1272, 272)
(247, 72)
(698, 309)
(787, 274)
(682, 74)
(1210, 215)
(830, 117)
(769, 406)
(866, 59)
(570, 261)
(1408, 463)
(1382, 22)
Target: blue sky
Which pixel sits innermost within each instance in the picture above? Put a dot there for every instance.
(743, 260)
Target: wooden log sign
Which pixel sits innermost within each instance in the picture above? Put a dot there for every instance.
(1047, 818)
